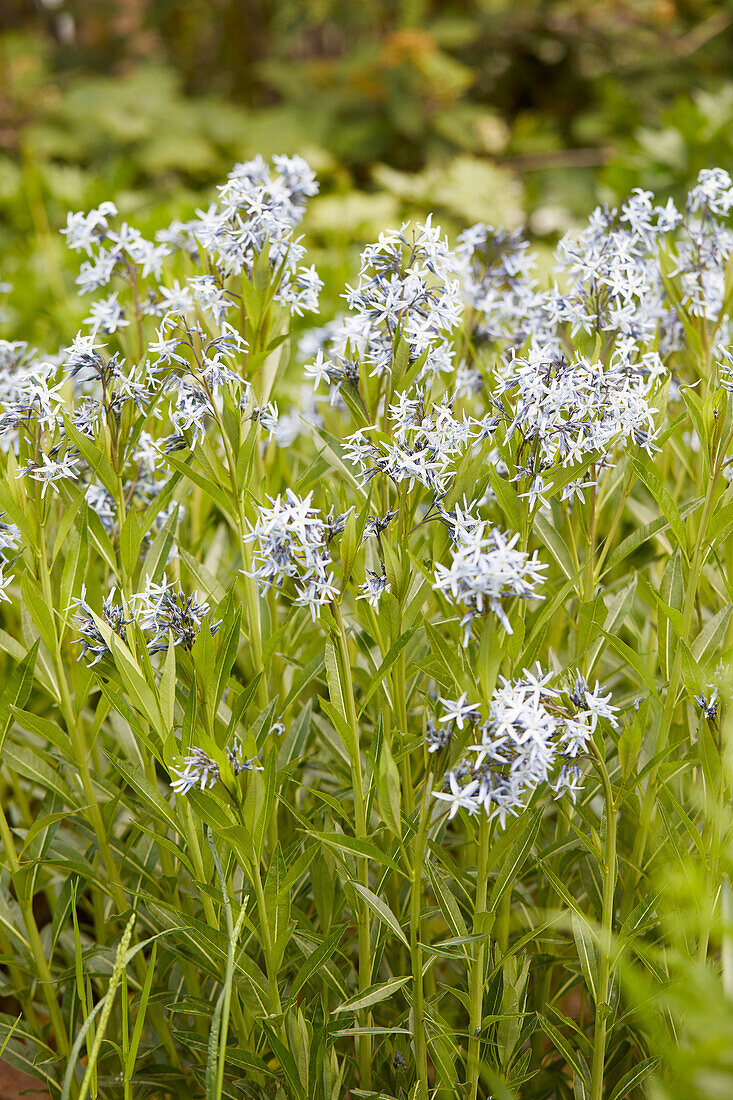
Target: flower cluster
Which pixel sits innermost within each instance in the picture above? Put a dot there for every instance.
(613, 280)
(112, 250)
(496, 273)
(292, 543)
(612, 273)
(200, 770)
(373, 587)
(258, 210)
(423, 448)
(162, 609)
(91, 639)
(534, 734)
(567, 412)
(408, 290)
(486, 569)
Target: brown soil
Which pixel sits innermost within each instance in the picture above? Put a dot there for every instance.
(15, 1085)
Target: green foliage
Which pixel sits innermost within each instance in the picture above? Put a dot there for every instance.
(315, 926)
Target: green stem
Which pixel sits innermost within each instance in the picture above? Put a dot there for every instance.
(251, 591)
(76, 736)
(589, 565)
(226, 994)
(194, 848)
(605, 938)
(365, 964)
(34, 942)
(670, 703)
(608, 540)
(711, 839)
(418, 1009)
(476, 990)
(398, 681)
(256, 876)
(502, 918)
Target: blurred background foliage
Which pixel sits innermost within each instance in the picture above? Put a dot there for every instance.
(506, 111)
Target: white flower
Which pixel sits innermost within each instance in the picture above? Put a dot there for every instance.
(176, 300)
(459, 710)
(199, 770)
(49, 471)
(162, 609)
(84, 231)
(319, 370)
(408, 289)
(4, 582)
(106, 314)
(460, 798)
(486, 569)
(9, 535)
(192, 409)
(257, 212)
(528, 739)
(373, 588)
(292, 543)
(569, 411)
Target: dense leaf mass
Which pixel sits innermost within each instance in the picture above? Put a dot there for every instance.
(308, 791)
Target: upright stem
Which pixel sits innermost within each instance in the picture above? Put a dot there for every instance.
(266, 937)
(398, 679)
(479, 961)
(589, 565)
(711, 838)
(34, 942)
(81, 759)
(418, 1008)
(77, 739)
(604, 942)
(670, 703)
(251, 591)
(364, 1041)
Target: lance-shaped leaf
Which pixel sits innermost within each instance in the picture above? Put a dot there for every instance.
(373, 995)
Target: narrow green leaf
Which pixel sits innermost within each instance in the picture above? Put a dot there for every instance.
(137, 1031)
(149, 794)
(634, 1078)
(17, 689)
(303, 678)
(356, 847)
(712, 635)
(130, 540)
(31, 764)
(373, 995)
(387, 665)
(382, 910)
(507, 499)
(554, 542)
(314, 963)
(586, 954)
(515, 859)
(40, 612)
(664, 499)
(563, 1046)
(634, 660)
(188, 470)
